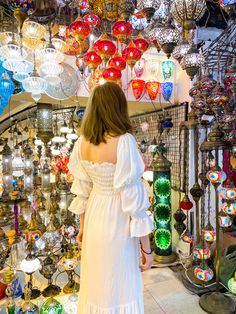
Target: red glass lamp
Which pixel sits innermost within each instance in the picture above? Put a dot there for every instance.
(186, 204)
(105, 48)
(117, 62)
(92, 20)
(131, 54)
(141, 43)
(79, 30)
(111, 74)
(138, 87)
(153, 89)
(92, 59)
(122, 30)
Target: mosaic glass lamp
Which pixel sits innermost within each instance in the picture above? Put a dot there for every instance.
(51, 306)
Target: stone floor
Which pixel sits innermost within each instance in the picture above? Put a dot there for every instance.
(165, 294)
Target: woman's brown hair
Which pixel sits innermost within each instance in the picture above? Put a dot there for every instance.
(106, 114)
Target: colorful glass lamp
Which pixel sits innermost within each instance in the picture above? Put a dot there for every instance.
(51, 306)
(162, 207)
(167, 69)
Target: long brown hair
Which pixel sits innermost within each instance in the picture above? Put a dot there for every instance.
(106, 114)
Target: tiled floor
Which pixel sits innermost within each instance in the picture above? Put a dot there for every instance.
(165, 294)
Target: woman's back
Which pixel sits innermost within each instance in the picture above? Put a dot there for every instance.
(102, 153)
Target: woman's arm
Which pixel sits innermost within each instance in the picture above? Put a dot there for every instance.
(147, 258)
(81, 229)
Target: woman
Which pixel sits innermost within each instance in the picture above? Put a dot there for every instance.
(111, 201)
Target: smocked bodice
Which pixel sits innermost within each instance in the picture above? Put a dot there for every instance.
(101, 175)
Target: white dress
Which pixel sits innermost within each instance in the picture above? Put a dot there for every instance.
(114, 201)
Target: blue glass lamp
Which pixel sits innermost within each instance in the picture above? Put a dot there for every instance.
(166, 90)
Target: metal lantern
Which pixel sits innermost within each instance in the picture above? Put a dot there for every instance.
(44, 122)
(168, 38)
(148, 7)
(125, 9)
(181, 50)
(187, 12)
(45, 177)
(28, 168)
(192, 62)
(7, 168)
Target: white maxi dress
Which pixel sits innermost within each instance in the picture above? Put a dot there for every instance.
(114, 201)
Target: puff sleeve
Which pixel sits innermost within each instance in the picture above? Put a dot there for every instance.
(82, 184)
(127, 180)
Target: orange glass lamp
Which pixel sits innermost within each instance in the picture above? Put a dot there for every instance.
(153, 89)
(122, 30)
(138, 88)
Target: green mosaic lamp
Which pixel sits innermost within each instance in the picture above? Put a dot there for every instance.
(162, 207)
(51, 306)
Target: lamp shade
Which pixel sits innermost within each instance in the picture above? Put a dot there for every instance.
(138, 87)
(117, 62)
(167, 68)
(111, 74)
(131, 54)
(92, 20)
(79, 30)
(166, 90)
(141, 43)
(92, 59)
(30, 264)
(104, 47)
(139, 67)
(153, 89)
(122, 30)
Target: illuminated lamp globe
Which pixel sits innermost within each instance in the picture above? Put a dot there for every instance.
(51, 68)
(181, 50)
(186, 204)
(111, 74)
(203, 273)
(18, 66)
(228, 193)
(229, 208)
(201, 253)
(122, 30)
(33, 30)
(59, 44)
(92, 20)
(192, 62)
(50, 54)
(168, 38)
(187, 237)
(141, 43)
(153, 89)
(92, 59)
(30, 264)
(58, 139)
(34, 84)
(224, 220)
(216, 175)
(79, 30)
(104, 47)
(138, 88)
(117, 62)
(20, 76)
(13, 51)
(209, 233)
(187, 12)
(7, 37)
(131, 54)
(148, 7)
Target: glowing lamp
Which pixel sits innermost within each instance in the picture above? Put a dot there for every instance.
(139, 67)
(92, 20)
(111, 74)
(232, 284)
(122, 30)
(224, 220)
(186, 204)
(117, 62)
(228, 193)
(203, 273)
(201, 253)
(166, 90)
(30, 264)
(131, 54)
(138, 87)
(209, 233)
(79, 30)
(51, 306)
(216, 176)
(153, 89)
(167, 68)
(141, 43)
(229, 208)
(92, 59)
(187, 237)
(104, 47)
